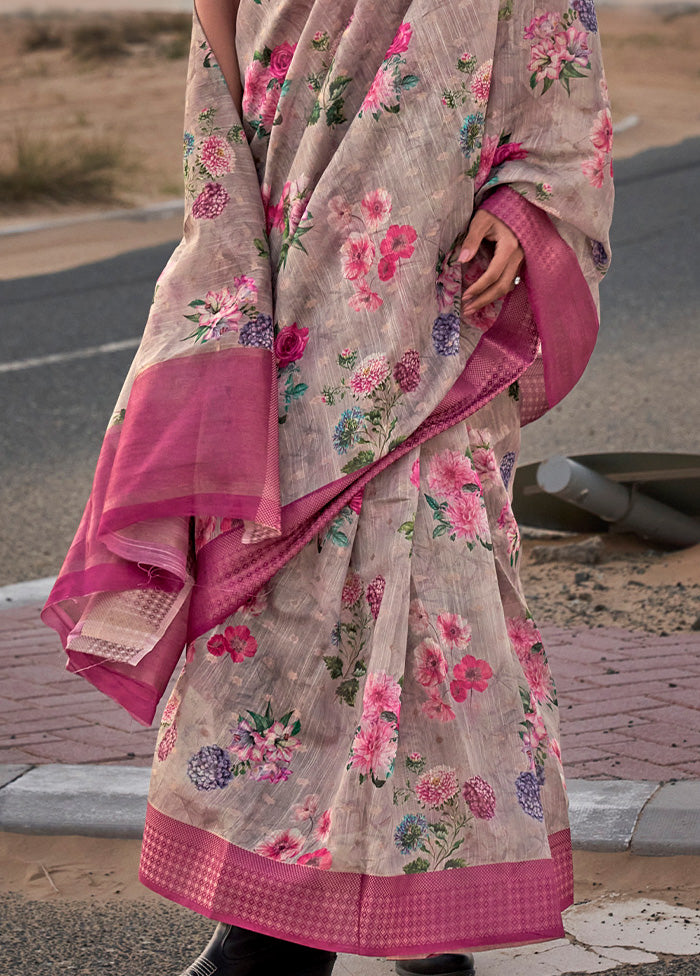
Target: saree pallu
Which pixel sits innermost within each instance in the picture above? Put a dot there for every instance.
(365, 728)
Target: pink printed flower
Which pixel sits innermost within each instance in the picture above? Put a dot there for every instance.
(538, 677)
(449, 471)
(509, 150)
(467, 516)
(277, 744)
(381, 93)
(481, 82)
(358, 253)
(431, 667)
(370, 374)
(270, 771)
(401, 41)
(170, 710)
(554, 749)
(523, 635)
(241, 643)
(471, 674)
(221, 313)
(216, 155)
(536, 732)
(398, 242)
(352, 589)
(594, 170)
(485, 463)
(364, 298)
(323, 827)
(307, 809)
(418, 619)
(211, 202)
(437, 786)
(321, 858)
(282, 846)
(436, 708)
(375, 595)
(415, 474)
(374, 749)
(280, 60)
(480, 798)
(257, 603)
(255, 85)
(488, 153)
(339, 214)
(454, 630)
(268, 110)
(355, 503)
(506, 521)
(290, 344)
(376, 207)
(386, 268)
(448, 284)
(382, 694)
(167, 742)
(217, 645)
(602, 131)
(543, 26)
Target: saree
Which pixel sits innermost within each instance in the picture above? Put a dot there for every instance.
(307, 479)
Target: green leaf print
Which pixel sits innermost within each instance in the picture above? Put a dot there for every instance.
(416, 867)
(334, 665)
(347, 690)
(455, 862)
(359, 461)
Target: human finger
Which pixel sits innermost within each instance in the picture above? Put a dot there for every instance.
(507, 281)
(506, 253)
(480, 226)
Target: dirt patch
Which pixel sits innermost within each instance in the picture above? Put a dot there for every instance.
(632, 586)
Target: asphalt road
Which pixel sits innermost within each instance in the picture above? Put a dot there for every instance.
(639, 392)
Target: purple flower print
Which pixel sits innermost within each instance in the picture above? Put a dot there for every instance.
(446, 334)
(210, 768)
(211, 202)
(258, 332)
(586, 14)
(527, 789)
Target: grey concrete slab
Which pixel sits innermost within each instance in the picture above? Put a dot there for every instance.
(31, 591)
(604, 813)
(670, 821)
(9, 772)
(95, 801)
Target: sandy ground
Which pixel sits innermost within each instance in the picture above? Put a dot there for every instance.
(650, 56)
(633, 586)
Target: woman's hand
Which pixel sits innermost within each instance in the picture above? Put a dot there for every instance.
(499, 277)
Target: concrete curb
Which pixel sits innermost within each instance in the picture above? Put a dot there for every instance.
(155, 211)
(110, 801)
(20, 594)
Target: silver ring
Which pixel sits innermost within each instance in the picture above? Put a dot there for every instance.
(516, 280)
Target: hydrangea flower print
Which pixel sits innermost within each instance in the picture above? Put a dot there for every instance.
(407, 371)
(411, 832)
(586, 14)
(210, 768)
(446, 334)
(211, 202)
(527, 789)
(258, 332)
(167, 742)
(601, 259)
(480, 798)
(375, 594)
(506, 467)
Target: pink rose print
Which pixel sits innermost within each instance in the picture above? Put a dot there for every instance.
(509, 150)
(454, 630)
(381, 92)
(358, 254)
(471, 674)
(467, 516)
(290, 344)
(216, 155)
(317, 859)
(430, 667)
(282, 846)
(323, 827)
(401, 41)
(437, 786)
(376, 207)
(256, 81)
(382, 694)
(437, 709)
(449, 471)
(280, 60)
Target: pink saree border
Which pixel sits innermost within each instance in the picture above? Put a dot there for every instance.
(479, 907)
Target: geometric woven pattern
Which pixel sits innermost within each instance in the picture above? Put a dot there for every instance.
(442, 911)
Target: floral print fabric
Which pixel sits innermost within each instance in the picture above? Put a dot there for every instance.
(385, 705)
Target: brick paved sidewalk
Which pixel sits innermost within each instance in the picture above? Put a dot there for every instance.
(630, 703)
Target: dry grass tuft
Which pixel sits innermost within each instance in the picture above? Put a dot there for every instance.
(79, 171)
(98, 42)
(43, 37)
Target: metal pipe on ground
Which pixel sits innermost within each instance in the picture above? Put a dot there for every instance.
(622, 506)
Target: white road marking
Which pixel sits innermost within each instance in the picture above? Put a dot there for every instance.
(66, 357)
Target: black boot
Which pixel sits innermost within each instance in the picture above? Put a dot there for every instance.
(233, 951)
(447, 964)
